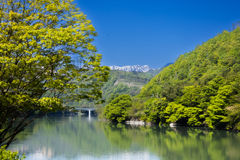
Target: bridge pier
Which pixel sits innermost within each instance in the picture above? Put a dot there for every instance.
(86, 110)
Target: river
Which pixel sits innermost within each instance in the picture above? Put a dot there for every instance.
(86, 138)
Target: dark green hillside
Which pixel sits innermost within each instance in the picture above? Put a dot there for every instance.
(201, 87)
(219, 56)
(120, 82)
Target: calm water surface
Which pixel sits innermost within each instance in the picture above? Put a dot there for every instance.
(84, 138)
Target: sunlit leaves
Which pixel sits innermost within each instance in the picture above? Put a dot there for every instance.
(201, 84)
(38, 40)
(117, 110)
(8, 155)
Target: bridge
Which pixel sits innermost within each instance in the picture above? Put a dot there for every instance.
(88, 110)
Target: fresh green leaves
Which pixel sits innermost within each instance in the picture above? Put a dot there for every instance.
(117, 110)
(199, 86)
(46, 52)
(8, 155)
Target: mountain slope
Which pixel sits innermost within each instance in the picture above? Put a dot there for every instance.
(218, 56)
(202, 87)
(120, 82)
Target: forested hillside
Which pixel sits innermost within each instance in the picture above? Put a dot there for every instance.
(120, 82)
(202, 87)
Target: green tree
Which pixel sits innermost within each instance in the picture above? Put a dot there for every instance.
(234, 117)
(174, 112)
(154, 110)
(191, 97)
(38, 39)
(117, 110)
(112, 97)
(217, 115)
(8, 155)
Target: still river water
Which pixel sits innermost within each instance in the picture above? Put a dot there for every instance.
(84, 138)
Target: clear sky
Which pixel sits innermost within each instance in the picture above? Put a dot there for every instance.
(155, 32)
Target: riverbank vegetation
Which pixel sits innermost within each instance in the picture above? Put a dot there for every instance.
(39, 39)
(202, 87)
(8, 155)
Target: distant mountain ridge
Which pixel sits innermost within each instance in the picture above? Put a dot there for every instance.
(136, 68)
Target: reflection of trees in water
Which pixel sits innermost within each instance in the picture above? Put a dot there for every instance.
(63, 135)
(193, 143)
(180, 143)
(117, 134)
(72, 136)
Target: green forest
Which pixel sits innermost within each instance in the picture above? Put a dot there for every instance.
(49, 63)
(201, 88)
(119, 83)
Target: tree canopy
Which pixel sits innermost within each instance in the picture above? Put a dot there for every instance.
(38, 40)
(201, 87)
(116, 110)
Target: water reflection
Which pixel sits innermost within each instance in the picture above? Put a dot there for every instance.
(76, 137)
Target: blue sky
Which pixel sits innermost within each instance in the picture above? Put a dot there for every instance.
(155, 32)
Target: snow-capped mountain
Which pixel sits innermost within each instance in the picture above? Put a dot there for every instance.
(137, 68)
